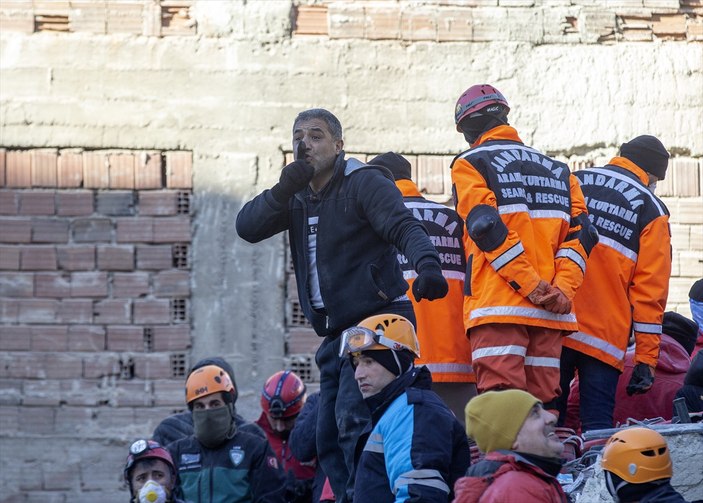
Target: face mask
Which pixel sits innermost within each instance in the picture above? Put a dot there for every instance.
(152, 492)
(697, 312)
(652, 187)
(212, 426)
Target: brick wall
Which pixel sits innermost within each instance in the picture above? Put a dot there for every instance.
(94, 303)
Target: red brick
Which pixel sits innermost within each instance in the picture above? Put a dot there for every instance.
(121, 171)
(92, 230)
(75, 311)
(132, 230)
(173, 283)
(168, 393)
(52, 285)
(130, 284)
(38, 258)
(96, 173)
(117, 311)
(18, 168)
(89, 284)
(152, 366)
(45, 230)
(71, 420)
(157, 202)
(116, 258)
(172, 230)
(418, 24)
(9, 202)
(14, 338)
(125, 338)
(70, 169)
(152, 311)
(63, 366)
(101, 365)
(44, 168)
(179, 170)
(14, 284)
(311, 20)
(86, 338)
(171, 338)
(85, 392)
(129, 394)
(9, 311)
(88, 16)
(76, 257)
(125, 17)
(36, 421)
(37, 310)
(61, 476)
(9, 418)
(50, 338)
(154, 257)
(148, 174)
(41, 392)
(38, 202)
(9, 258)
(383, 23)
(74, 203)
(15, 230)
(10, 394)
(2, 165)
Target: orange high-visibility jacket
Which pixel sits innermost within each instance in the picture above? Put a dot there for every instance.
(444, 346)
(539, 202)
(627, 282)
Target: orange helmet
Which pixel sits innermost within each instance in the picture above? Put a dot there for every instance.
(637, 455)
(381, 331)
(206, 381)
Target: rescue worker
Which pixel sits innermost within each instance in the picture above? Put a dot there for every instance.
(220, 463)
(345, 265)
(522, 451)
(180, 425)
(414, 449)
(638, 468)
(440, 328)
(627, 282)
(695, 300)
(150, 473)
(282, 398)
(527, 243)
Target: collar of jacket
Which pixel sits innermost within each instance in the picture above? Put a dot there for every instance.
(408, 188)
(625, 163)
(517, 457)
(417, 377)
(498, 133)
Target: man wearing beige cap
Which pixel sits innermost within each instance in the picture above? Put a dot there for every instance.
(522, 451)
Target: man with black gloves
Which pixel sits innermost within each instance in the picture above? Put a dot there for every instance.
(527, 243)
(345, 220)
(627, 282)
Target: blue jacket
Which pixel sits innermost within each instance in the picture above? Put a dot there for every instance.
(414, 450)
(362, 219)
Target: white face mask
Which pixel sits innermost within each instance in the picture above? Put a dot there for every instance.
(152, 492)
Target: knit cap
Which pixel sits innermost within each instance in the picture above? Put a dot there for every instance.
(648, 153)
(696, 291)
(681, 329)
(386, 359)
(398, 165)
(494, 418)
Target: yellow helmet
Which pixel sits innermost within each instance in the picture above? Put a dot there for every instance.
(381, 331)
(637, 455)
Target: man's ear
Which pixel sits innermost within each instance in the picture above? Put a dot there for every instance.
(339, 144)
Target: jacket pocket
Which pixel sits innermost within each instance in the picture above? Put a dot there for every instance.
(377, 281)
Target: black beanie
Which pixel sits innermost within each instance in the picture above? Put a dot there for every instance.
(648, 153)
(681, 329)
(696, 291)
(385, 358)
(395, 163)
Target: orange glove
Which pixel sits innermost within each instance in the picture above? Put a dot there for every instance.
(559, 304)
(543, 293)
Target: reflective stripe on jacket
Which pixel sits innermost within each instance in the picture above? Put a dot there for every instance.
(538, 200)
(444, 346)
(627, 282)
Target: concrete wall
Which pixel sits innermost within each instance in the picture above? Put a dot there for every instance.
(224, 80)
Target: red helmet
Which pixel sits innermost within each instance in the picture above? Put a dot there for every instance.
(146, 449)
(283, 395)
(477, 98)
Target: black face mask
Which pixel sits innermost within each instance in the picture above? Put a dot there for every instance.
(474, 127)
(213, 426)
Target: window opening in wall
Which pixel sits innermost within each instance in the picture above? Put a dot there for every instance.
(297, 318)
(180, 254)
(179, 310)
(179, 365)
(127, 369)
(148, 340)
(304, 366)
(183, 202)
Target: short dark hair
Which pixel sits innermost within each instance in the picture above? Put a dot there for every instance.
(332, 122)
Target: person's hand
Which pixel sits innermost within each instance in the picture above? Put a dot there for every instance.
(559, 303)
(430, 283)
(294, 177)
(641, 380)
(542, 293)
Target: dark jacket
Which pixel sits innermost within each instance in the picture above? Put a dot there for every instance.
(303, 441)
(180, 426)
(362, 219)
(414, 450)
(243, 470)
(663, 494)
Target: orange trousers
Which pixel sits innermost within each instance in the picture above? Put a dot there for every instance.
(508, 356)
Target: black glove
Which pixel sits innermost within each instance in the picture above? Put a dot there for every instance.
(294, 177)
(430, 284)
(641, 380)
